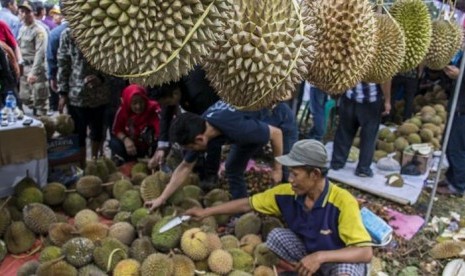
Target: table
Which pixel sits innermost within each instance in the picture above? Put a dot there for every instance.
(23, 151)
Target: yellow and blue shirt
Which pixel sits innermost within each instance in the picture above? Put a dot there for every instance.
(333, 223)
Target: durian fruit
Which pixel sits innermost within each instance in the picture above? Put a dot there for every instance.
(64, 124)
(443, 46)
(91, 270)
(194, 243)
(229, 241)
(120, 187)
(389, 51)
(141, 248)
(220, 261)
(94, 231)
(249, 242)
(78, 251)
(447, 249)
(89, 186)
(139, 168)
(239, 273)
(407, 129)
(400, 144)
(28, 268)
(264, 256)
(109, 208)
(263, 271)
(241, 260)
(136, 179)
(182, 265)
(98, 168)
(214, 242)
(139, 214)
(379, 154)
(268, 224)
(150, 188)
(145, 225)
(214, 196)
(168, 239)
(5, 220)
(60, 233)
(193, 192)
(262, 55)
(108, 253)
(426, 135)
(111, 166)
(38, 217)
(122, 216)
(27, 196)
(130, 201)
(74, 203)
(415, 21)
(85, 217)
(248, 223)
(414, 138)
(94, 203)
(49, 253)
(221, 219)
(122, 231)
(56, 268)
(25, 182)
(157, 264)
(19, 238)
(54, 193)
(49, 125)
(128, 267)
(345, 43)
(148, 42)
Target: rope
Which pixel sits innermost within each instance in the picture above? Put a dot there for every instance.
(302, 33)
(176, 52)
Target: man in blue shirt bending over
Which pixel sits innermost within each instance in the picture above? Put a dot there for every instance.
(222, 123)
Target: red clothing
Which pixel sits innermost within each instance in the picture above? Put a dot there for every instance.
(132, 124)
(7, 36)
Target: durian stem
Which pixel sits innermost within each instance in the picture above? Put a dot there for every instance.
(32, 252)
(110, 259)
(108, 184)
(200, 272)
(301, 28)
(176, 52)
(5, 203)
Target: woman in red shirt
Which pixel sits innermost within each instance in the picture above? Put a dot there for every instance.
(136, 126)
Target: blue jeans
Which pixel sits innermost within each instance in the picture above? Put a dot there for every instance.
(354, 115)
(281, 117)
(318, 99)
(456, 154)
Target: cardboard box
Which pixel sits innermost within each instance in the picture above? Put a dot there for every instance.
(63, 150)
(424, 160)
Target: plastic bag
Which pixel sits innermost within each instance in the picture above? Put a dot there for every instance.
(388, 163)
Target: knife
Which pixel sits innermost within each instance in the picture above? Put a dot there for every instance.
(173, 223)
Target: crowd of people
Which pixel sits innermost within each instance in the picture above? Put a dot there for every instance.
(41, 63)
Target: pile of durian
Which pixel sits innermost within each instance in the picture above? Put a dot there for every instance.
(427, 126)
(62, 124)
(77, 241)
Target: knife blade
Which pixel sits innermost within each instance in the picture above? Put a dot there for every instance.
(173, 223)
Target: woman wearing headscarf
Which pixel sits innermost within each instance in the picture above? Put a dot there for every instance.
(136, 126)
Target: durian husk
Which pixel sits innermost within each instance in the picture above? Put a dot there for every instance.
(415, 21)
(389, 51)
(444, 44)
(345, 43)
(147, 42)
(262, 55)
(448, 249)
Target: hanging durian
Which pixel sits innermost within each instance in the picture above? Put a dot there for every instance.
(415, 20)
(445, 43)
(345, 42)
(262, 55)
(149, 42)
(390, 50)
